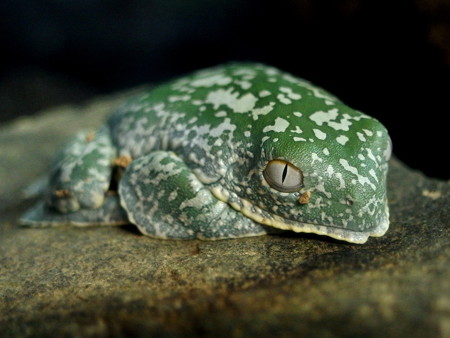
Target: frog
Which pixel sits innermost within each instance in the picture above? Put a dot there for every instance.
(235, 150)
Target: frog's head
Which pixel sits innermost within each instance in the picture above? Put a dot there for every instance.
(324, 173)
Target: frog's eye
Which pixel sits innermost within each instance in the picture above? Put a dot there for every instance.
(283, 176)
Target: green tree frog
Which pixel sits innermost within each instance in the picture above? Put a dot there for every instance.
(237, 150)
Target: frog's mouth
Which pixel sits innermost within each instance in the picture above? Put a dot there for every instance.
(264, 217)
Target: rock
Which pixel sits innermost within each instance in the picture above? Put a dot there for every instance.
(112, 281)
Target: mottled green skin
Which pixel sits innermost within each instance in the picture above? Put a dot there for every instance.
(200, 144)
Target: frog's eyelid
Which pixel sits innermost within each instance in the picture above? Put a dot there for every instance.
(283, 176)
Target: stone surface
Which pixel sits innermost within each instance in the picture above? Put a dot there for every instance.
(112, 281)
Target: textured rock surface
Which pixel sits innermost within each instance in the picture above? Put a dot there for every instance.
(107, 281)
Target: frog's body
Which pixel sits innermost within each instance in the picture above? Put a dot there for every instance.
(236, 150)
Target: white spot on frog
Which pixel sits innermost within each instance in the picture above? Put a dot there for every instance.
(183, 98)
(279, 126)
(315, 157)
(197, 202)
(221, 113)
(321, 189)
(361, 136)
(256, 112)
(321, 117)
(244, 84)
(329, 117)
(368, 132)
(373, 174)
(330, 170)
(172, 195)
(371, 155)
(361, 179)
(193, 120)
(264, 139)
(264, 93)
(218, 79)
(342, 139)
(219, 130)
(290, 94)
(283, 99)
(341, 181)
(232, 100)
(297, 130)
(320, 134)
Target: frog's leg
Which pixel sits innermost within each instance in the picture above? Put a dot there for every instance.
(76, 191)
(82, 172)
(166, 200)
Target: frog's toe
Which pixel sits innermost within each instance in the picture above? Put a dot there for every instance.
(70, 200)
(109, 213)
(64, 201)
(92, 196)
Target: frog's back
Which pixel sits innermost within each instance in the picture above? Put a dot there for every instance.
(213, 109)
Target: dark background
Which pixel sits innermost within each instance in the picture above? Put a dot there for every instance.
(390, 59)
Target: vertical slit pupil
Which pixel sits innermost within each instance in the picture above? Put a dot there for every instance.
(283, 177)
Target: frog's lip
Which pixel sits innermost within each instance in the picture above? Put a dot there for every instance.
(320, 229)
(263, 217)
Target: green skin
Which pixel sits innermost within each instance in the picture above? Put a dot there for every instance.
(201, 147)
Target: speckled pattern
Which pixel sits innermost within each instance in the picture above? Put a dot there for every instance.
(203, 150)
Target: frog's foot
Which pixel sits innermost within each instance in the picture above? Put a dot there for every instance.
(81, 174)
(166, 200)
(109, 213)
